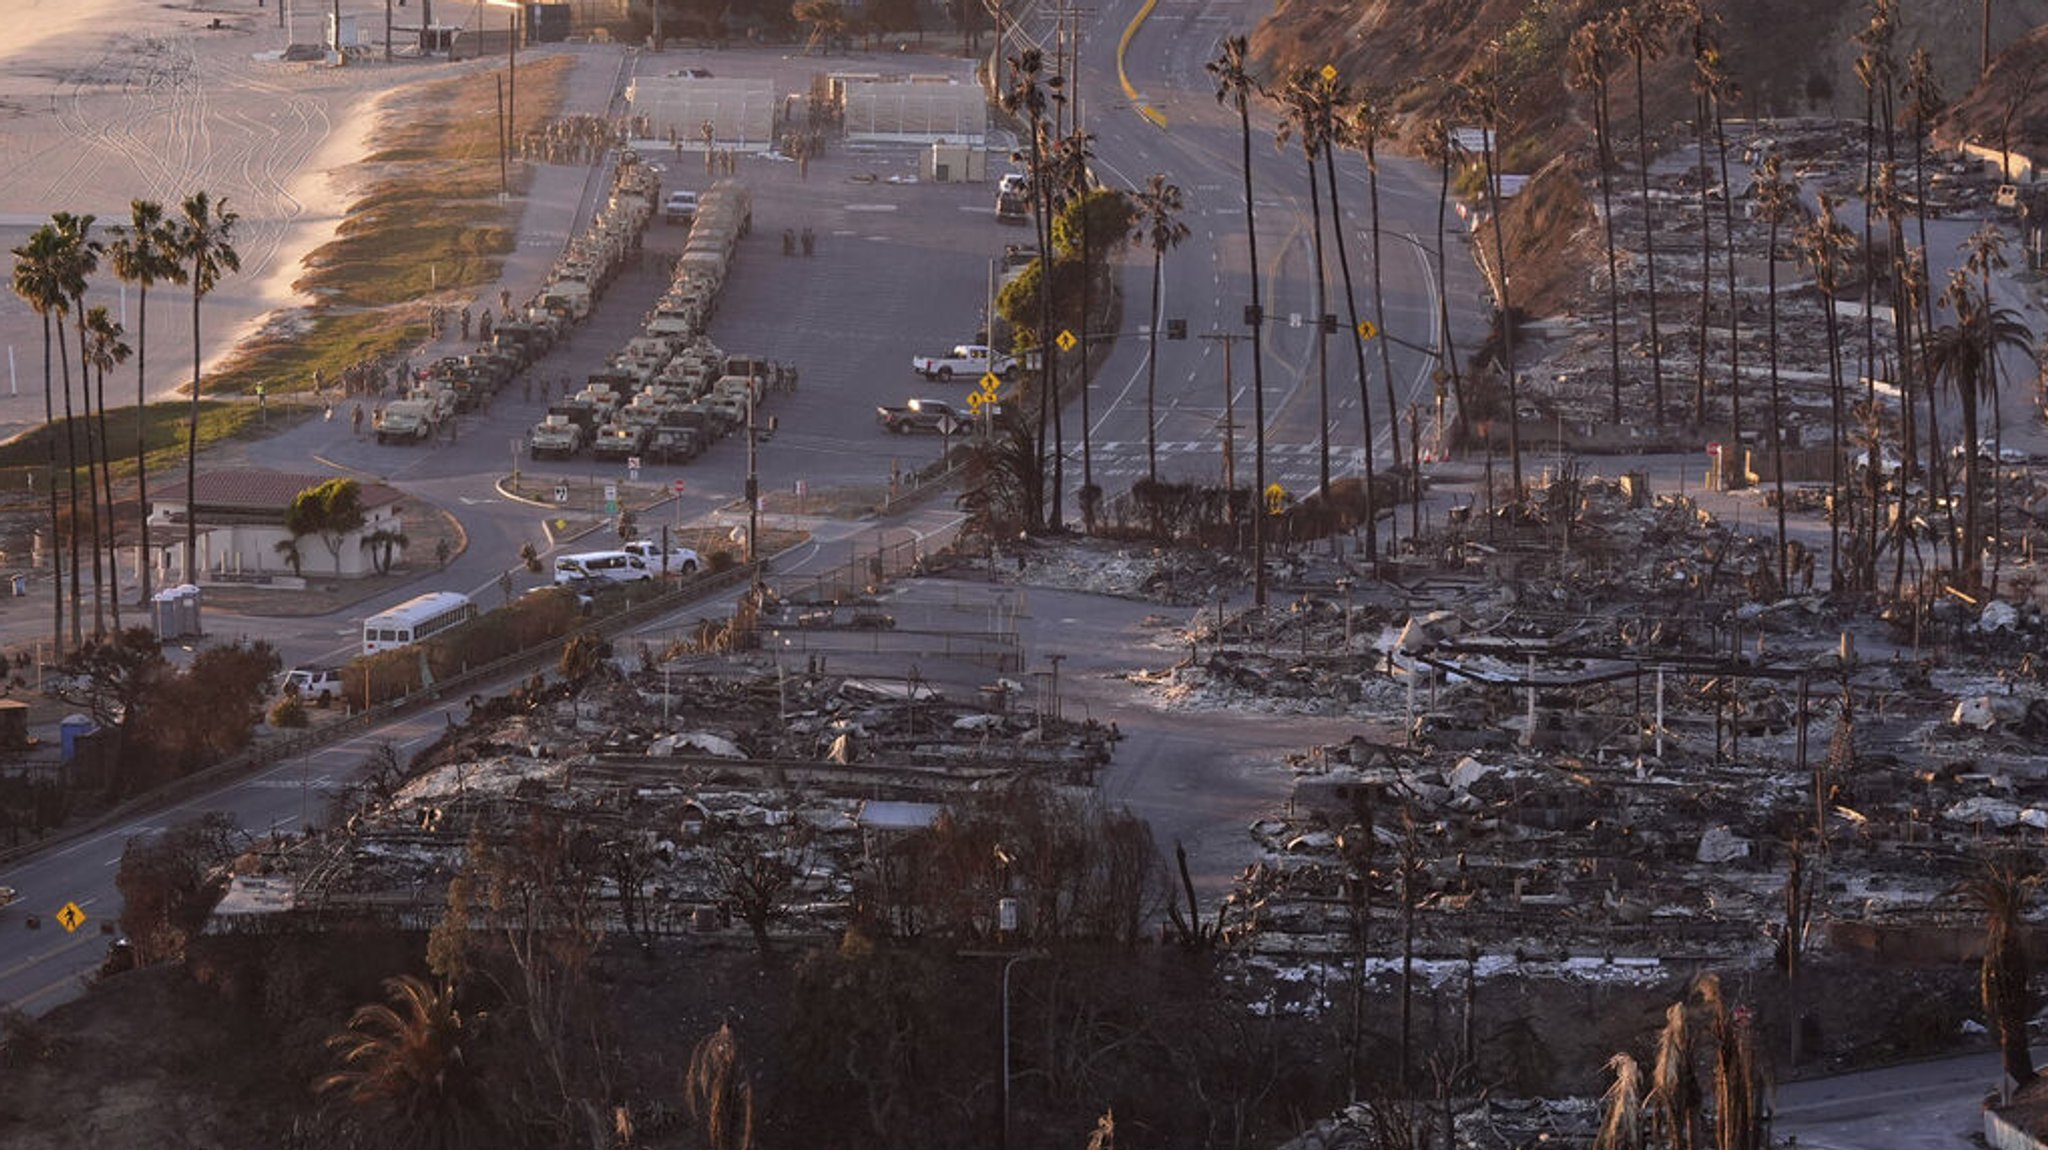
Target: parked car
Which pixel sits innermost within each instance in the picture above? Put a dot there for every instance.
(314, 683)
(680, 207)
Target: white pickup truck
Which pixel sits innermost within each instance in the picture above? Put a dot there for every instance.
(969, 361)
(680, 560)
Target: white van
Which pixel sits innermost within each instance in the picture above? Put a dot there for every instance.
(613, 566)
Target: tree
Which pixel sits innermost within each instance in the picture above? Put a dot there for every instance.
(332, 511)
(38, 280)
(1674, 1085)
(1234, 85)
(827, 19)
(1621, 1123)
(144, 252)
(169, 884)
(718, 1092)
(80, 256)
(2003, 893)
(1711, 86)
(758, 869)
(104, 351)
(288, 550)
(205, 242)
(1588, 63)
(1159, 225)
(1441, 146)
(1824, 243)
(1964, 355)
(1776, 199)
(115, 679)
(1641, 29)
(405, 1069)
(384, 544)
(1308, 111)
(1031, 93)
(205, 714)
(1479, 96)
(1361, 129)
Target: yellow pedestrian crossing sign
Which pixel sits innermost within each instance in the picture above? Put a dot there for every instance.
(1276, 499)
(1329, 73)
(1367, 329)
(1066, 341)
(71, 918)
(991, 390)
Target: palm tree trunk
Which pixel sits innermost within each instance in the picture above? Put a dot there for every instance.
(192, 445)
(71, 485)
(1257, 316)
(1087, 371)
(1835, 486)
(1152, 373)
(92, 491)
(1379, 303)
(1449, 349)
(1777, 412)
(1734, 303)
(1606, 161)
(1507, 314)
(1649, 241)
(1699, 385)
(107, 479)
(1315, 211)
(56, 548)
(148, 559)
(1364, 383)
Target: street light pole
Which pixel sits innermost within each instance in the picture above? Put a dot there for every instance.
(753, 475)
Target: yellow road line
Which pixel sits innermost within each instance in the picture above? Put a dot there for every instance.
(1157, 117)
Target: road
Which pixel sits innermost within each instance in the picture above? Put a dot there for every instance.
(1208, 277)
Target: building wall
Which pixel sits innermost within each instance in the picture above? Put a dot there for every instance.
(242, 550)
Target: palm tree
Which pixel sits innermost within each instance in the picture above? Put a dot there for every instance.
(1985, 253)
(1075, 184)
(1032, 96)
(1440, 145)
(405, 1069)
(718, 1092)
(38, 280)
(81, 256)
(1479, 95)
(1235, 85)
(1159, 224)
(105, 352)
(1674, 1084)
(1588, 73)
(1709, 79)
(1824, 243)
(144, 252)
(1964, 355)
(1640, 28)
(1925, 103)
(1337, 97)
(1621, 1123)
(1776, 199)
(1362, 129)
(1307, 111)
(205, 240)
(2003, 894)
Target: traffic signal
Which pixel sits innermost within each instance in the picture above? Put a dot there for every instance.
(1329, 324)
(1254, 315)
(1176, 329)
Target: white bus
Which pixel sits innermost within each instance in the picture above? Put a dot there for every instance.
(416, 619)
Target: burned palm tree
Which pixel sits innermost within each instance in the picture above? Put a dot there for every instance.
(1588, 64)
(1641, 28)
(2005, 978)
(1308, 113)
(1710, 84)
(1368, 120)
(1479, 96)
(1674, 1083)
(1234, 85)
(1031, 93)
(1621, 1108)
(1161, 228)
(1777, 199)
(1964, 356)
(1440, 146)
(1825, 244)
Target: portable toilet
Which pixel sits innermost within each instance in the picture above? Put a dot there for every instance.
(188, 611)
(71, 729)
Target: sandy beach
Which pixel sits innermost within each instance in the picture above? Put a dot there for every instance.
(106, 101)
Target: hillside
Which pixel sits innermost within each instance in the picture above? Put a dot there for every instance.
(1796, 60)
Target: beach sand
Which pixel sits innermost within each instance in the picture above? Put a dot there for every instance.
(106, 101)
